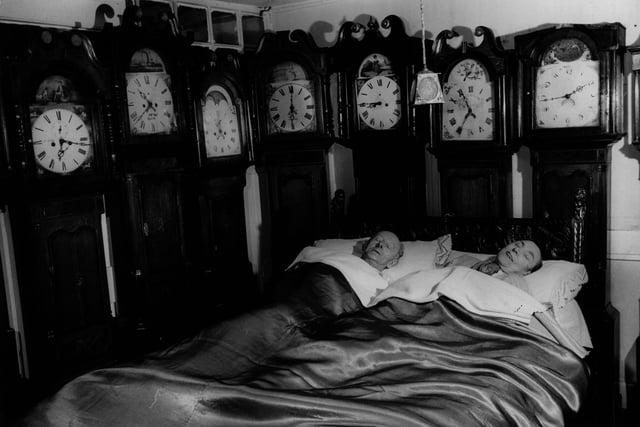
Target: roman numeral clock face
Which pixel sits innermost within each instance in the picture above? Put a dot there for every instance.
(292, 108)
(378, 102)
(150, 104)
(61, 140)
(468, 113)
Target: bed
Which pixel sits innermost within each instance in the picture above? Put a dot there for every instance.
(319, 355)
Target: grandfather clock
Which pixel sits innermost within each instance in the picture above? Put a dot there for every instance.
(570, 108)
(60, 137)
(292, 131)
(221, 101)
(154, 149)
(375, 68)
(470, 135)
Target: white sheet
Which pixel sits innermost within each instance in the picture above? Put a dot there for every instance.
(477, 292)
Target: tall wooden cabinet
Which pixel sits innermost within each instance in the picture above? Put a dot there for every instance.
(59, 134)
(570, 110)
(292, 129)
(471, 132)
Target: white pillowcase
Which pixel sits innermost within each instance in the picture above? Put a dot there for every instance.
(557, 282)
(418, 254)
(571, 319)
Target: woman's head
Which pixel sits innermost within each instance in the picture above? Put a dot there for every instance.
(383, 250)
(521, 257)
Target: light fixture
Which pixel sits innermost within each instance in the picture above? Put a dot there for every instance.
(426, 86)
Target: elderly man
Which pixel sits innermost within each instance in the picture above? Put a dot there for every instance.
(382, 250)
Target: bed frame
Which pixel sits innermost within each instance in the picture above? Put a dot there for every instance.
(558, 239)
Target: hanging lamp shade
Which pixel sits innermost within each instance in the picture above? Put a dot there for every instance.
(426, 88)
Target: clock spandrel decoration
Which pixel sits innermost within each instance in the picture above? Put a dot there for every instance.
(571, 84)
(290, 86)
(475, 87)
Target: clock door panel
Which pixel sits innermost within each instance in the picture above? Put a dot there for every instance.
(475, 186)
(159, 252)
(227, 281)
(299, 203)
(67, 297)
(558, 175)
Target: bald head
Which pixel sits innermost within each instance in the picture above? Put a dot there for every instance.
(382, 250)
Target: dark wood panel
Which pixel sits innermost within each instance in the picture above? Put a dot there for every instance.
(64, 288)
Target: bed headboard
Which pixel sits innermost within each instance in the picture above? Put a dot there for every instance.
(557, 238)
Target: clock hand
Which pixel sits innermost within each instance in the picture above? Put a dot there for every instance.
(466, 116)
(292, 110)
(370, 104)
(568, 95)
(62, 140)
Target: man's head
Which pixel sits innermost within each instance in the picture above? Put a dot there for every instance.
(383, 250)
(522, 257)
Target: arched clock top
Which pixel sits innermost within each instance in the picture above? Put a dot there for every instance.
(571, 85)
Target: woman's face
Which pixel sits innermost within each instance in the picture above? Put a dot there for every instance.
(382, 249)
(519, 257)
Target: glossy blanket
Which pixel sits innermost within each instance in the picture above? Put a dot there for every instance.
(321, 359)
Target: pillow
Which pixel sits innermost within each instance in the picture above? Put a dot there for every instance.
(420, 255)
(571, 319)
(556, 283)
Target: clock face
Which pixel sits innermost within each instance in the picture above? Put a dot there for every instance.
(468, 112)
(567, 87)
(150, 104)
(61, 139)
(220, 122)
(379, 103)
(292, 108)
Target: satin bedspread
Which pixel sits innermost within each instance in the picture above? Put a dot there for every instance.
(320, 358)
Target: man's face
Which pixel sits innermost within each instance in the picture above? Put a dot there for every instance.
(519, 257)
(382, 249)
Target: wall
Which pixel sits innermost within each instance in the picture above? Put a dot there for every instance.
(507, 18)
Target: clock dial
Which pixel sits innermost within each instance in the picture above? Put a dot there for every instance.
(220, 123)
(567, 86)
(150, 104)
(61, 140)
(379, 102)
(567, 95)
(468, 112)
(292, 107)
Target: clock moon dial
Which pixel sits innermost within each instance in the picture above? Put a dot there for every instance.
(61, 141)
(567, 95)
(468, 112)
(220, 123)
(150, 104)
(379, 103)
(292, 107)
